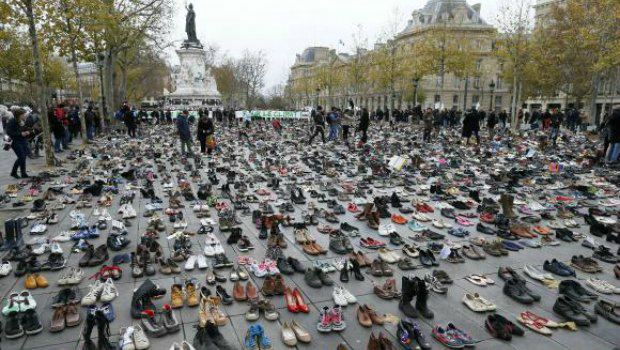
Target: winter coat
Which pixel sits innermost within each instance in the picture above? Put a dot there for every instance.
(183, 127)
(364, 121)
(614, 126)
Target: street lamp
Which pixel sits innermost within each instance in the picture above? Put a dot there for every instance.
(416, 82)
(492, 88)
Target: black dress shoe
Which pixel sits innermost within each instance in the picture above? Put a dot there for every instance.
(564, 307)
(608, 311)
(515, 290)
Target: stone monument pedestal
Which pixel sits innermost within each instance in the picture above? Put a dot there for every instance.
(195, 86)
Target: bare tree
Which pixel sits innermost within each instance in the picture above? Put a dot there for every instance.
(251, 70)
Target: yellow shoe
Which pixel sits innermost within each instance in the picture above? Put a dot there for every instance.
(41, 281)
(176, 296)
(192, 294)
(30, 282)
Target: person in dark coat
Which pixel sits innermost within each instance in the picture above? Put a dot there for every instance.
(319, 124)
(129, 120)
(57, 129)
(205, 128)
(613, 126)
(364, 124)
(491, 123)
(184, 133)
(89, 119)
(471, 126)
(14, 129)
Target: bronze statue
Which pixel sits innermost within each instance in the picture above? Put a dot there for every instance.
(190, 24)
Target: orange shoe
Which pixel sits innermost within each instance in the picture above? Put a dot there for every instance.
(398, 219)
(541, 230)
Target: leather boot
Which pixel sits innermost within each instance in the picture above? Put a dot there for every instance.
(103, 332)
(357, 273)
(140, 298)
(373, 343)
(88, 330)
(507, 205)
(364, 214)
(409, 289)
(421, 302)
(202, 339)
(217, 338)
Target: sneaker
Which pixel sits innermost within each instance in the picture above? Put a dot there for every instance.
(5, 268)
(30, 322)
(449, 340)
(325, 321)
(13, 328)
(337, 319)
(93, 293)
(109, 291)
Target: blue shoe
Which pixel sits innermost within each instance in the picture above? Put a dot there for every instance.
(81, 234)
(250, 338)
(263, 341)
(512, 246)
(108, 311)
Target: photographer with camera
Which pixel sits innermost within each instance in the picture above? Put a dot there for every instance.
(15, 128)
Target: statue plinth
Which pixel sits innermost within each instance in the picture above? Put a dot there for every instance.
(191, 44)
(195, 85)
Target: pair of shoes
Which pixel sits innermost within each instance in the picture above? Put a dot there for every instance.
(316, 278)
(65, 316)
(35, 280)
(19, 302)
(331, 320)
(180, 295)
(292, 333)
(160, 323)
(409, 334)
(94, 257)
(501, 328)
(414, 287)
(20, 323)
(132, 337)
(452, 337)
(268, 309)
(255, 338)
(104, 292)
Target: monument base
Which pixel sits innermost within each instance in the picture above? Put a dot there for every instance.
(195, 85)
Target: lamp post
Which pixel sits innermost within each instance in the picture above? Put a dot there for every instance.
(492, 88)
(416, 82)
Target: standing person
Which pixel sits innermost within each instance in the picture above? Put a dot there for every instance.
(491, 123)
(319, 124)
(554, 123)
(471, 126)
(61, 115)
(613, 125)
(428, 125)
(89, 119)
(332, 121)
(184, 133)
(247, 119)
(14, 129)
(503, 116)
(128, 120)
(364, 124)
(347, 122)
(57, 130)
(203, 126)
(75, 122)
(169, 116)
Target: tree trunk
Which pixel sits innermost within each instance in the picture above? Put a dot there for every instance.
(597, 117)
(50, 159)
(513, 106)
(81, 96)
(109, 86)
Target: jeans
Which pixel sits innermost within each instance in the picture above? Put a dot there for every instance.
(554, 134)
(612, 153)
(57, 144)
(90, 132)
(21, 151)
(333, 133)
(186, 144)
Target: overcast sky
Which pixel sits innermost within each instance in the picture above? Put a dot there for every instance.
(283, 28)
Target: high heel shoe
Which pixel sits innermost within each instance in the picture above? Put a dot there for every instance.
(301, 306)
(356, 270)
(344, 272)
(291, 301)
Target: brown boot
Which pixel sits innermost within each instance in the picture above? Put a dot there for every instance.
(373, 343)
(507, 205)
(372, 222)
(364, 214)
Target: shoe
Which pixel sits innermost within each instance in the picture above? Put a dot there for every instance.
(569, 309)
(501, 328)
(576, 291)
(608, 311)
(515, 290)
(446, 338)
(13, 327)
(152, 324)
(30, 322)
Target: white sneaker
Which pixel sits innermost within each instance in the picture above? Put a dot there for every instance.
(218, 248)
(38, 229)
(601, 286)
(5, 268)
(93, 293)
(96, 212)
(109, 291)
(56, 248)
(209, 251)
(351, 299)
(126, 341)
(202, 262)
(384, 230)
(77, 275)
(187, 346)
(139, 338)
(191, 262)
(106, 215)
(339, 298)
(41, 249)
(118, 225)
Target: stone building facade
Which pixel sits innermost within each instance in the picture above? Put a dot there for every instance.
(455, 16)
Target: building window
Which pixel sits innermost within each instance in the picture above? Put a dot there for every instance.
(455, 99)
(499, 84)
(478, 65)
(437, 98)
(477, 82)
(475, 99)
(498, 102)
(457, 83)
